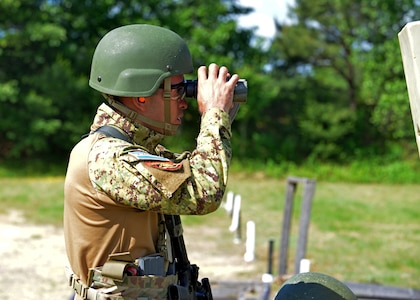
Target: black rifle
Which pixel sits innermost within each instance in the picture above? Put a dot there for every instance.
(188, 287)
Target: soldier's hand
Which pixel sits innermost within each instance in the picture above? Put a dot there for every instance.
(214, 91)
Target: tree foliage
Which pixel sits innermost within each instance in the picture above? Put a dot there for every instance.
(347, 53)
(47, 46)
(330, 85)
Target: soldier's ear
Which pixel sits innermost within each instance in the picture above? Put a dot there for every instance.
(140, 103)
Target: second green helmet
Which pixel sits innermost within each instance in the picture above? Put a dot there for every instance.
(133, 60)
(314, 286)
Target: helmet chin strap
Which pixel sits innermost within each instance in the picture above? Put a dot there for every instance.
(166, 126)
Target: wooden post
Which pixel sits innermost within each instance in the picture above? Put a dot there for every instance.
(309, 190)
(305, 216)
(285, 233)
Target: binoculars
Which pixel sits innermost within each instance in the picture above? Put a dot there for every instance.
(239, 95)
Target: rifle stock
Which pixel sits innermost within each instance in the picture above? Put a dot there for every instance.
(188, 287)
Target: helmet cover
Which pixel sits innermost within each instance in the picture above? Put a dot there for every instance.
(133, 60)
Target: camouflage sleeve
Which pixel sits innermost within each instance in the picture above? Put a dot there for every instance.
(195, 185)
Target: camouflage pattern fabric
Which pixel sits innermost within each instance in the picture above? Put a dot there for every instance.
(132, 287)
(115, 190)
(196, 188)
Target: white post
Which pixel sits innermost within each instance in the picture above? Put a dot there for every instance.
(250, 242)
(229, 202)
(305, 265)
(235, 226)
(235, 214)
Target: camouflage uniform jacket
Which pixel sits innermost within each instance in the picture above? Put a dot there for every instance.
(114, 190)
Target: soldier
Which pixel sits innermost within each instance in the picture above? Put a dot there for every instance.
(119, 184)
(314, 286)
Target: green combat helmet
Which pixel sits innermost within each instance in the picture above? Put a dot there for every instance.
(314, 286)
(134, 60)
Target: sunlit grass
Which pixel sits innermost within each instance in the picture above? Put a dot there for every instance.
(41, 199)
(366, 232)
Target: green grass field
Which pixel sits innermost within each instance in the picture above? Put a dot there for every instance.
(368, 233)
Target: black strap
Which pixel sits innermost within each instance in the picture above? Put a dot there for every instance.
(111, 131)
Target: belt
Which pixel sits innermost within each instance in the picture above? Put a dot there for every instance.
(79, 287)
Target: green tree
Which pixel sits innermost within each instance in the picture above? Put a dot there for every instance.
(47, 46)
(29, 39)
(347, 53)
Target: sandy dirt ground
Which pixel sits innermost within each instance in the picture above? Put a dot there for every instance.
(33, 259)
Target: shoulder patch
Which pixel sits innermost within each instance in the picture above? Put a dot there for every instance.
(164, 165)
(155, 161)
(144, 156)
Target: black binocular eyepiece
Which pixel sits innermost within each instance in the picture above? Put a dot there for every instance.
(239, 95)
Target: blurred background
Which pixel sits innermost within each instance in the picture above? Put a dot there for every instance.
(327, 100)
(325, 78)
